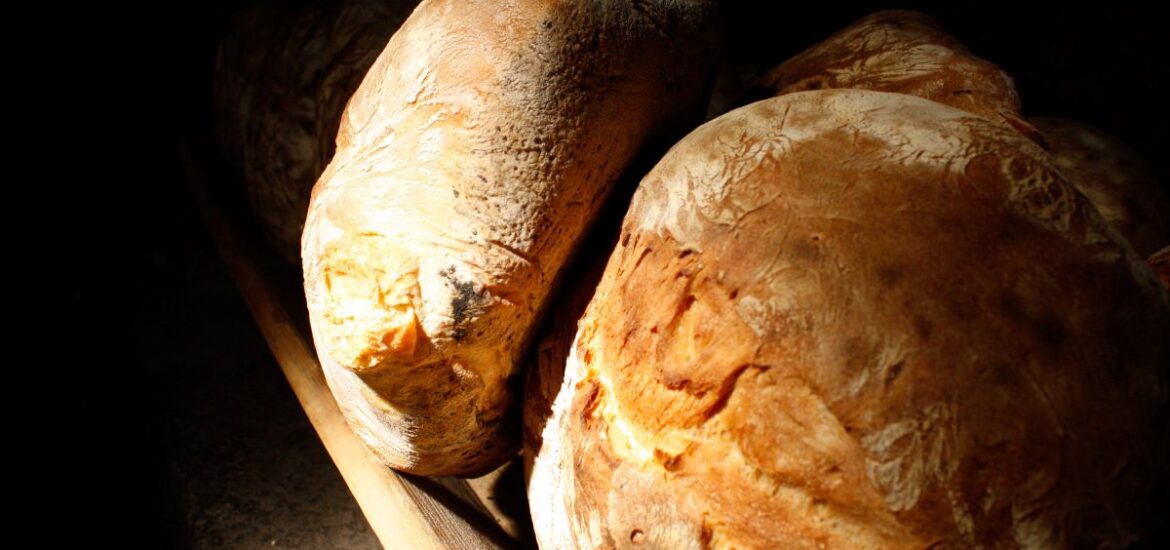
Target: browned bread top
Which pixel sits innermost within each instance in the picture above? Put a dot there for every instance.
(903, 52)
(852, 319)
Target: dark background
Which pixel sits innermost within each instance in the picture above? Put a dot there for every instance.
(158, 418)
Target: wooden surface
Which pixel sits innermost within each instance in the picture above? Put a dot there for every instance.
(404, 511)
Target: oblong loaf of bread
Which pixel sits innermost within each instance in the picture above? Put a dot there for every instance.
(853, 319)
(470, 160)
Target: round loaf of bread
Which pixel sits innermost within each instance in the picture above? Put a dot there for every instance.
(1120, 185)
(470, 161)
(903, 52)
(852, 319)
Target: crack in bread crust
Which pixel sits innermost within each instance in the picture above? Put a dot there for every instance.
(953, 349)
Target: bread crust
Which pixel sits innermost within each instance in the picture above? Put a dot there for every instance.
(470, 161)
(904, 52)
(1120, 185)
(852, 319)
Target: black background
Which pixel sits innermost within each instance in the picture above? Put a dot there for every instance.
(104, 244)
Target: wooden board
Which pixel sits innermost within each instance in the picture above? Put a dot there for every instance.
(404, 511)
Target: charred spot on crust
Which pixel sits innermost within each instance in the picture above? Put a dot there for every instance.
(463, 300)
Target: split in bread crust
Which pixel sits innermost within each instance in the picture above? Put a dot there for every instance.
(853, 319)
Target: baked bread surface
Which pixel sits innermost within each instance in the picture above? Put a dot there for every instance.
(852, 319)
(905, 52)
(469, 162)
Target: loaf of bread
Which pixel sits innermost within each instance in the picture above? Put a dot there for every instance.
(1122, 187)
(903, 52)
(284, 72)
(854, 319)
(907, 52)
(470, 161)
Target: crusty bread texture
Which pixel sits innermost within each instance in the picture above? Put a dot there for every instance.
(1120, 185)
(469, 162)
(854, 319)
(903, 52)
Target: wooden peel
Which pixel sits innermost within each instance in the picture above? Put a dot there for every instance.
(404, 511)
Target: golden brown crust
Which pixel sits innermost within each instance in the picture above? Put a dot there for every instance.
(1122, 187)
(852, 319)
(902, 52)
(469, 163)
